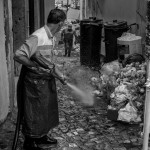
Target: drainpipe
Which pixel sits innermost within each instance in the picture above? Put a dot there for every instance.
(146, 127)
(81, 8)
(85, 7)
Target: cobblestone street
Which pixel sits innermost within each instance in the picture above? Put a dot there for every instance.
(81, 127)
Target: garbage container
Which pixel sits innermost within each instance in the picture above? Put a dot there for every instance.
(112, 31)
(90, 41)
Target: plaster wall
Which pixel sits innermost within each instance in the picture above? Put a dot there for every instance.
(4, 85)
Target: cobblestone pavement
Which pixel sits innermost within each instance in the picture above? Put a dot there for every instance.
(81, 128)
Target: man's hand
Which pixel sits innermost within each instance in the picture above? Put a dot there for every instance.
(64, 78)
(59, 76)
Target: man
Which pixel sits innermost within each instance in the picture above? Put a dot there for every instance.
(36, 89)
(67, 37)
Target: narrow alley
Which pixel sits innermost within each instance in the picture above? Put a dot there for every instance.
(105, 57)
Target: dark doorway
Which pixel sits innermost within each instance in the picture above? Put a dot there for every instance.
(31, 16)
(42, 16)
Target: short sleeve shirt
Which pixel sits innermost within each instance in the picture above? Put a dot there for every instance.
(30, 45)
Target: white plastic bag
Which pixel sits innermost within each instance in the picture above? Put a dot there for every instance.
(110, 68)
(128, 114)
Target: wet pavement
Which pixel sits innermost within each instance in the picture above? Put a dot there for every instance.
(81, 127)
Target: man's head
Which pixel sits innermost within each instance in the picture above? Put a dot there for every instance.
(56, 18)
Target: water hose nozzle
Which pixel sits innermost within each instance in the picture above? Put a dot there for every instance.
(63, 81)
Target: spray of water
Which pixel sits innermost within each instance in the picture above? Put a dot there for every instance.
(84, 96)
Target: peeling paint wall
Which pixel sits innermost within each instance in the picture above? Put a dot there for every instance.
(4, 85)
(19, 27)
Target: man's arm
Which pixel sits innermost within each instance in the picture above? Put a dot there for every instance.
(28, 50)
(23, 54)
(24, 60)
(44, 63)
(59, 76)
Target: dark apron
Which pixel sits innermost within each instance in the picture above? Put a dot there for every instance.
(40, 106)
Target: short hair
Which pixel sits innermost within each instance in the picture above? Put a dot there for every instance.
(55, 16)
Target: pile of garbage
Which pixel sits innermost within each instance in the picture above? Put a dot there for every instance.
(106, 82)
(124, 89)
(128, 97)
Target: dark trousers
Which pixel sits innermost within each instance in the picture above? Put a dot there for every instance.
(68, 46)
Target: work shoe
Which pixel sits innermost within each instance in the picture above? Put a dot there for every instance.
(46, 142)
(31, 145)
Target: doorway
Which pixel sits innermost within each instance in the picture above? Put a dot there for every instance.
(31, 16)
(42, 14)
(36, 15)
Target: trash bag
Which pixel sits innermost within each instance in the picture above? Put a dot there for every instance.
(133, 58)
(128, 114)
(110, 68)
